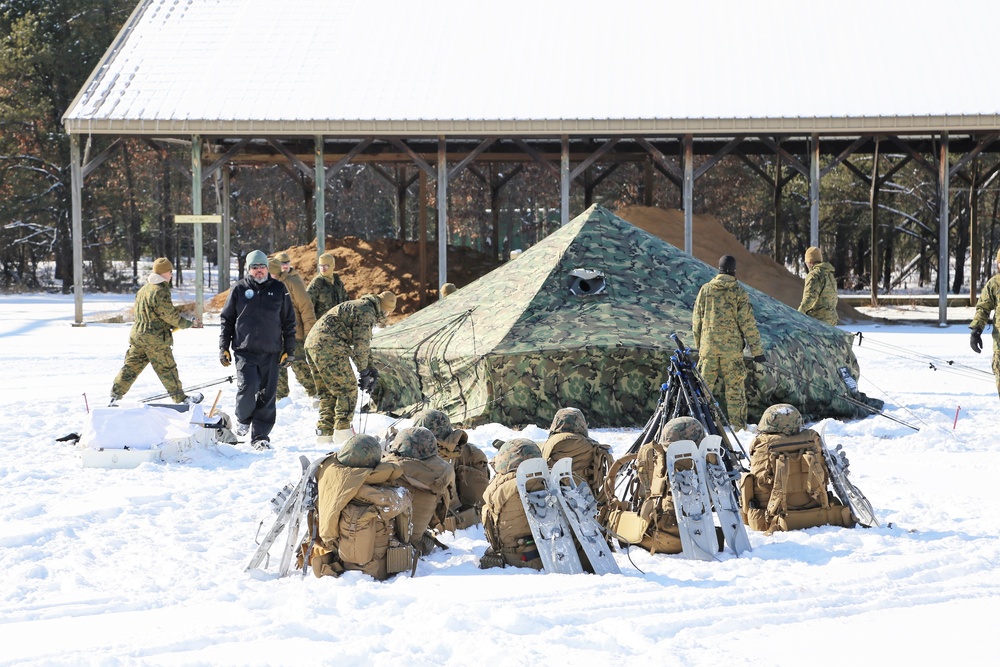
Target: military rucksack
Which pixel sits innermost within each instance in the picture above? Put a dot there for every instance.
(787, 486)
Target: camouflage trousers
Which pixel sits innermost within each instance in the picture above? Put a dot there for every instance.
(149, 349)
(996, 364)
(336, 386)
(302, 373)
(726, 379)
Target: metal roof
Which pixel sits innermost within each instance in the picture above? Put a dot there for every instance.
(544, 67)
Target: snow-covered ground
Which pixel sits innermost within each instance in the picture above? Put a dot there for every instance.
(145, 566)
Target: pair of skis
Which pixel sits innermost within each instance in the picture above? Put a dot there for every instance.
(699, 481)
(291, 508)
(562, 514)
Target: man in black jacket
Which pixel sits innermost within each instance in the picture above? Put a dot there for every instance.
(259, 323)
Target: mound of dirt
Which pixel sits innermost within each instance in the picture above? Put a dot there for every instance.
(369, 267)
(711, 241)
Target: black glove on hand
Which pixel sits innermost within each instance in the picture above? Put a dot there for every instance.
(759, 359)
(286, 360)
(976, 341)
(225, 358)
(367, 378)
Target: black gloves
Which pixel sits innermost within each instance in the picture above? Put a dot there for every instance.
(976, 341)
(225, 358)
(759, 359)
(366, 379)
(286, 360)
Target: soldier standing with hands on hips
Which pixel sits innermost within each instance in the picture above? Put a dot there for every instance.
(259, 323)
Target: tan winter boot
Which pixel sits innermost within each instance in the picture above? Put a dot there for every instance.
(342, 435)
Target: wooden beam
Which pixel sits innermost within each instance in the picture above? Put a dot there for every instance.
(483, 145)
(662, 160)
(166, 155)
(843, 155)
(593, 157)
(420, 162)
(292, 158)
(712, 161)
(216, 165)
(537, 157)
(102, 157)
(971, 155)
(345, 160)
(793, 161)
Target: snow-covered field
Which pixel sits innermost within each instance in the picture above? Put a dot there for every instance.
(144, 566)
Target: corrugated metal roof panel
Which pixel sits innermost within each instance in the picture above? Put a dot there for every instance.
(310, 66)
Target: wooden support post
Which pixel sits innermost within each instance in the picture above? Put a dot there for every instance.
(647, 190)
(76, 185)
(943, 182)
(873, 200)
(224, 231)
(564, 183)
(199, 260)
(974, 249)
(689, 194)
(422, 217)
(442, 202)
(319, 196)
(814, 177)
(776, 209)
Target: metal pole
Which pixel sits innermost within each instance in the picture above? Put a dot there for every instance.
(224, 232)
(320, 197)
(76, 185)
(564, 183)
(689, 194)
(814, 193)
(943, 175)
(442, 203)
(199, 277)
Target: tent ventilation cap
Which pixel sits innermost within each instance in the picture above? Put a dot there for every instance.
(586, 282)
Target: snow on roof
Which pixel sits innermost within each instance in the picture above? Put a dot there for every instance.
(405, 67)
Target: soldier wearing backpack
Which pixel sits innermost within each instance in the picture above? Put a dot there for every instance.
(568, 438)
(504, 521)
(362, 519)
(787, 486)
(427, 477)
(472, 472)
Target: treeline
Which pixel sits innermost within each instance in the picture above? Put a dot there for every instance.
(49, 47)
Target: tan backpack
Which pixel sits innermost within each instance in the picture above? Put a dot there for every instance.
(787, 486)
(591, 460)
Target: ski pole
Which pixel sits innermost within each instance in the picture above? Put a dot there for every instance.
(184, 390)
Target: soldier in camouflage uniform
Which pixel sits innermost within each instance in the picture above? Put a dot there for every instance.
(341, 335)
(819, 295)
(280, 267)
(988, 302)
(568, 438)
(723, 323)
(152, 338)
(472, 472)
(326, 289)
(504, 521)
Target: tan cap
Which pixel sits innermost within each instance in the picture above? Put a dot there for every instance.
(162, 265)
(447, 289)
(387, 300)
(998, 255)
(327, 258)
(283, 257)
(813, 255)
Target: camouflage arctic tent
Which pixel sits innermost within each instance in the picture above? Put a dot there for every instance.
(583, 319)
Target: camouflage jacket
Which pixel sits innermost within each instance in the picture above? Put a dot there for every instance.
(305, 316)
(723, 319)
(326, 293)
(819, 296)
(155, 312)
(349, 325)
(988, 300)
